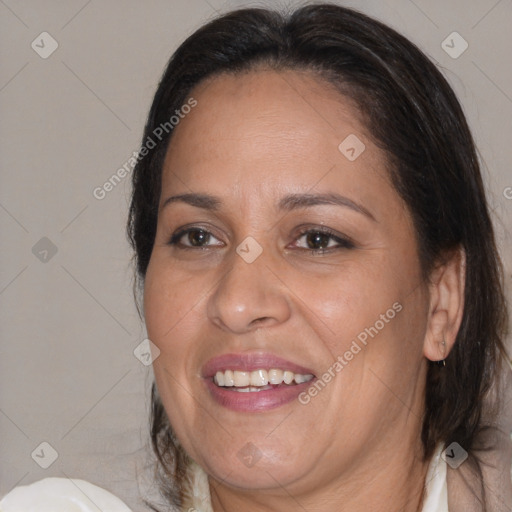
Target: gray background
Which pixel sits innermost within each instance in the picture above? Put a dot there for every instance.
(68, 375)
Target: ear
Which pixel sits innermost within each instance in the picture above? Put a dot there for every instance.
(446, 291)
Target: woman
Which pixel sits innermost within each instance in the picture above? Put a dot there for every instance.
(319, 272)
(320, 279)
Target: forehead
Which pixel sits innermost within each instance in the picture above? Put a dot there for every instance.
(259, 104)
(264, 128)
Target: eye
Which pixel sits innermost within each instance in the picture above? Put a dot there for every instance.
(193, 238)
(322, 240)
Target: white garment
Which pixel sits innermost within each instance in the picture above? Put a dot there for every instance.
(436, 498)
(61, 495)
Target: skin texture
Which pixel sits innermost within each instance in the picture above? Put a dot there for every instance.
(252, 139)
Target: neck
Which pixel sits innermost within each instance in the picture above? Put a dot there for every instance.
(388, 476)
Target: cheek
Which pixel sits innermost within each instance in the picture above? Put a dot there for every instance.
(169, 301)
(170, 310)
(349, 298)
(370, 312)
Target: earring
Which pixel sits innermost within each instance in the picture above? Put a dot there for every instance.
(442, 362)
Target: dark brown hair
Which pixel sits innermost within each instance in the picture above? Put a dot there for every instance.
(412, 114)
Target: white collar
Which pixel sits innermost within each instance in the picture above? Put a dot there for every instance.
(436, 494)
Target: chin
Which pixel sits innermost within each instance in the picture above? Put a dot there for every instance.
(255, 467)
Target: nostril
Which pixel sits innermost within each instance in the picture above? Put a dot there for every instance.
(261, 320)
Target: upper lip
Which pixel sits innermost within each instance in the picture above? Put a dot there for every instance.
(249, 362)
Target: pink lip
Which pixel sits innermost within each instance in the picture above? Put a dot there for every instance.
(256, 401)
(253, 401)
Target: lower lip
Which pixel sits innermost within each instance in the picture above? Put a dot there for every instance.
(256, 401)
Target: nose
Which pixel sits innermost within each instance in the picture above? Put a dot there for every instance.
(248, 296)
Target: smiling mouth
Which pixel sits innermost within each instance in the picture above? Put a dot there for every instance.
(258, 380)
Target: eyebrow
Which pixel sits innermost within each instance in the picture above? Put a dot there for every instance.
(295, 201)
(288, 203)
(205, 201)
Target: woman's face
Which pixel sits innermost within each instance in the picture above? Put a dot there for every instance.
(278, 250)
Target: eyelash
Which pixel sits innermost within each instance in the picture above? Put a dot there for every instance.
(343, 242)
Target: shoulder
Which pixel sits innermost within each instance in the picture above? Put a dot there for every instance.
(61, 495)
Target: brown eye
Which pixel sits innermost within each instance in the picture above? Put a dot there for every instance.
(317, 240)
(198, 237)
(322, 240)
(194, 238)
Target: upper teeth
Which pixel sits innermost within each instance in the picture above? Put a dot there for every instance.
(237, 378)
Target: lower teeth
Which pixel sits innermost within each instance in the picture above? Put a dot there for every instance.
(249, 389)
